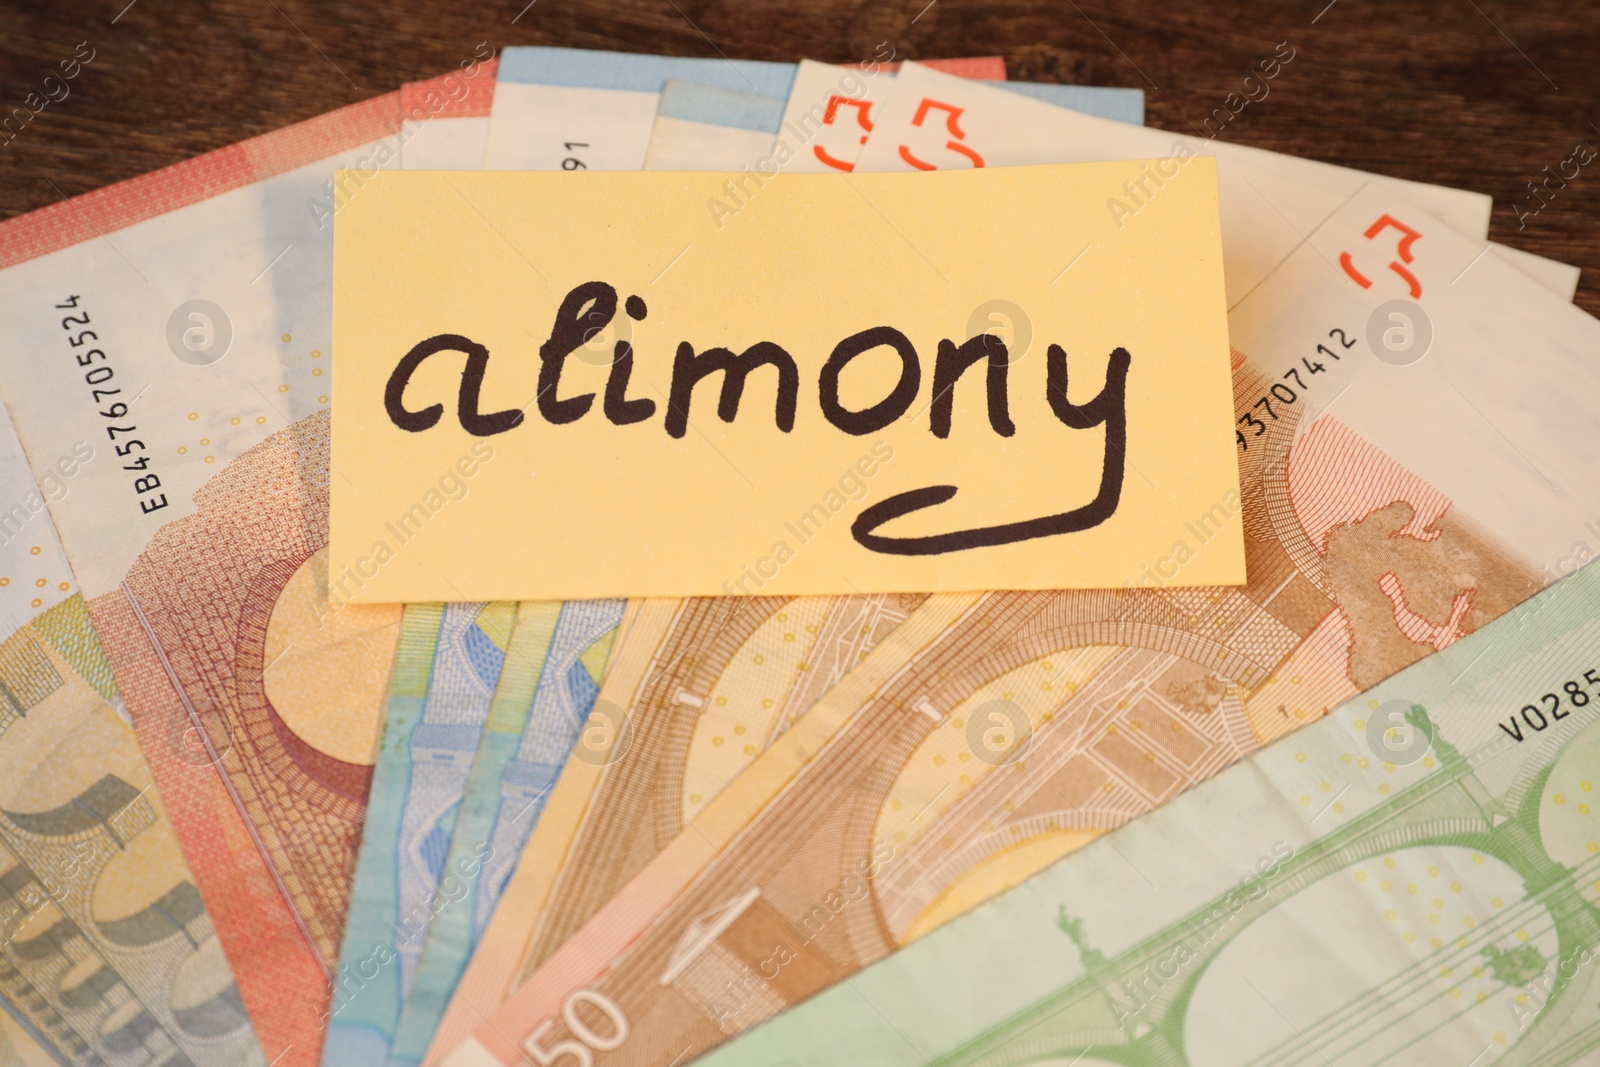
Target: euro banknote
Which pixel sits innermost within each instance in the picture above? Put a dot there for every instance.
(179, 322)
(707, 127)
(552, 676)
(1391, 506)
(1411, 880)
(1269, 201)
(446, 667)
(446, 126)
(821, 125)
(697, 690)
(107, 953)
(577, 109)
(830, 119)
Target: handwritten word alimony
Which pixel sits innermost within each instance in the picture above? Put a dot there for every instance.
(588, 308)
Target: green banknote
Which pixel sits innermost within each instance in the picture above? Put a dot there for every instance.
(1413, 880)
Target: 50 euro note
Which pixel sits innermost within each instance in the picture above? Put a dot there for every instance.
(695, 692)
(107, 954)
(1414, 879)
(1392, 506)
(179, 322)
(1268, 200)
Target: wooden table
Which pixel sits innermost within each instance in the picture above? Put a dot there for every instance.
(1482, 94)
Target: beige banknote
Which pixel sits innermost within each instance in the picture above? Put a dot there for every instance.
(696, 691)
(1395, 500)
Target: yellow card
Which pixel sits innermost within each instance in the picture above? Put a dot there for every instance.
(554, 385)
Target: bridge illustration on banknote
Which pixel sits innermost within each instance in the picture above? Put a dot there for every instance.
(1132, 1008)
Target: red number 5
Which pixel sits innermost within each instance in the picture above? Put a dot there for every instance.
(863, 119)
(1402, 249)
(952, 123)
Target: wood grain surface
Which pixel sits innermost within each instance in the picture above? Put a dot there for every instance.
(1481, 94)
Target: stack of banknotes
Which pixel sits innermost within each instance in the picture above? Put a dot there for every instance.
(245, 822)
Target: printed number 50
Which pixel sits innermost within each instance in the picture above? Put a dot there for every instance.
(582, 1050)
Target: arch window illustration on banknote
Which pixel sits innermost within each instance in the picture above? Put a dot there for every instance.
(711, 704)
(267, 666)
